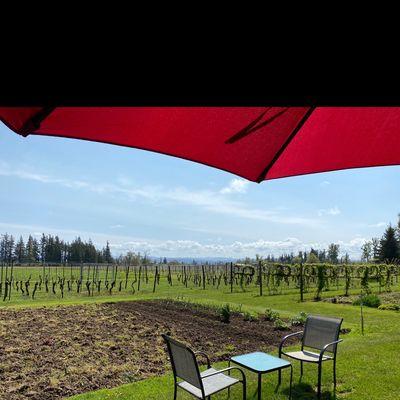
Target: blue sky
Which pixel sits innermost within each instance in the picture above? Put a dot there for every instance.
(142, 201)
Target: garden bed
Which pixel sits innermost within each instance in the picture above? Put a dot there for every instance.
(51, 353)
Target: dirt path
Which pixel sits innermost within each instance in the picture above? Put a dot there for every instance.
(50, 353)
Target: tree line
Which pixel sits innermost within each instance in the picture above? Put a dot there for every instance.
(51, 249)
(384, 249)
(313, 256)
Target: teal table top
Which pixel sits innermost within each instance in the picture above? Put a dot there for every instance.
(260, 362)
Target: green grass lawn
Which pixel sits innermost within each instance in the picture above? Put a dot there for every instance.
(367, 367)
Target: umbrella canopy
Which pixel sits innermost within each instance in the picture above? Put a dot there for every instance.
(257, 143)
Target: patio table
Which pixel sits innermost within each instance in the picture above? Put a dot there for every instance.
(262, 363)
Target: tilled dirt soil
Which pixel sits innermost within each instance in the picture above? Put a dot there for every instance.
(55, 352)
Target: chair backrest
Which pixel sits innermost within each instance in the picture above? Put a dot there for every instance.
(183, 362)
(319, 331)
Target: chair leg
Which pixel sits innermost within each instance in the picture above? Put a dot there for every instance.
(279, 372)
(301, 368)
(244, 389)
(334, 373)
(291, 379)
(319, 379)
(175, 390)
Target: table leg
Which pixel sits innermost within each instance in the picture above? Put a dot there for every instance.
(229, 373)
(259, 386)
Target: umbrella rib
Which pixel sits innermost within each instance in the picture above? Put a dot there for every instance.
(283, 147)
(252, 127)
(33, 123)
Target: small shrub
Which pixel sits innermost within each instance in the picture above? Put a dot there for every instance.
(249, 316)
(230, 348)
(281, 325)
(299, 320)
(389, 306)
(370, 300)
(225, 313)
(339, 300)
(271, 315)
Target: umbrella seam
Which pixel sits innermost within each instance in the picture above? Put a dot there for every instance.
(265, 171)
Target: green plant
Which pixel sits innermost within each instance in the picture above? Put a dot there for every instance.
(281, 325)
(347, 280)
(370, 300)
(247, 316)
(389, 306)
(225, 313)
(365, 281)
(321, 282)
(299, 320)
(271, 315)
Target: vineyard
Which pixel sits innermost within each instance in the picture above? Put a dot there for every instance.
(61, 280)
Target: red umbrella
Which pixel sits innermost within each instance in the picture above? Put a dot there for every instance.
(257, 143)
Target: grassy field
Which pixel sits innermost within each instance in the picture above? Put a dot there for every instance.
(367, 365)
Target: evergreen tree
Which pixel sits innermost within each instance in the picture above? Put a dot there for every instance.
(389, 246)
(42, 249)
(19, 251)
(57, 252)
(107, 254)
(8, 247)
(30, 257)
(3, 247)
(49, 249)
(77, 251)
(322, 256)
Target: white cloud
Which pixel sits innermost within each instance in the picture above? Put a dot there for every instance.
(330, 211)
(212, 201)
(188, 248)
(324, 183)
(236, 185)
(117, 226)
(377, 225)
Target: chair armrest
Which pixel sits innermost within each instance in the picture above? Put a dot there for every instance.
(228, 369)
(326, 347)
(286, 338)
(201, 353)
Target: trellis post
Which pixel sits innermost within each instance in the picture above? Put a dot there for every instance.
(301, 283)
(231, 277)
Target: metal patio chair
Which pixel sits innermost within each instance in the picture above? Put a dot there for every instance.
(320, 333)
(200, 384)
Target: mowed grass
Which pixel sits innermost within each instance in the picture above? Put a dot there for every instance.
(367, 367)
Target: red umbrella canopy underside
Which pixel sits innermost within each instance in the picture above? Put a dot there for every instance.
(257, 143)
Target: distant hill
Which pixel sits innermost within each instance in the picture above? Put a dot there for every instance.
(198, 260)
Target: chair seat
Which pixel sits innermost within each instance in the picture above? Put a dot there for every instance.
(212, 384)
(307, 356)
